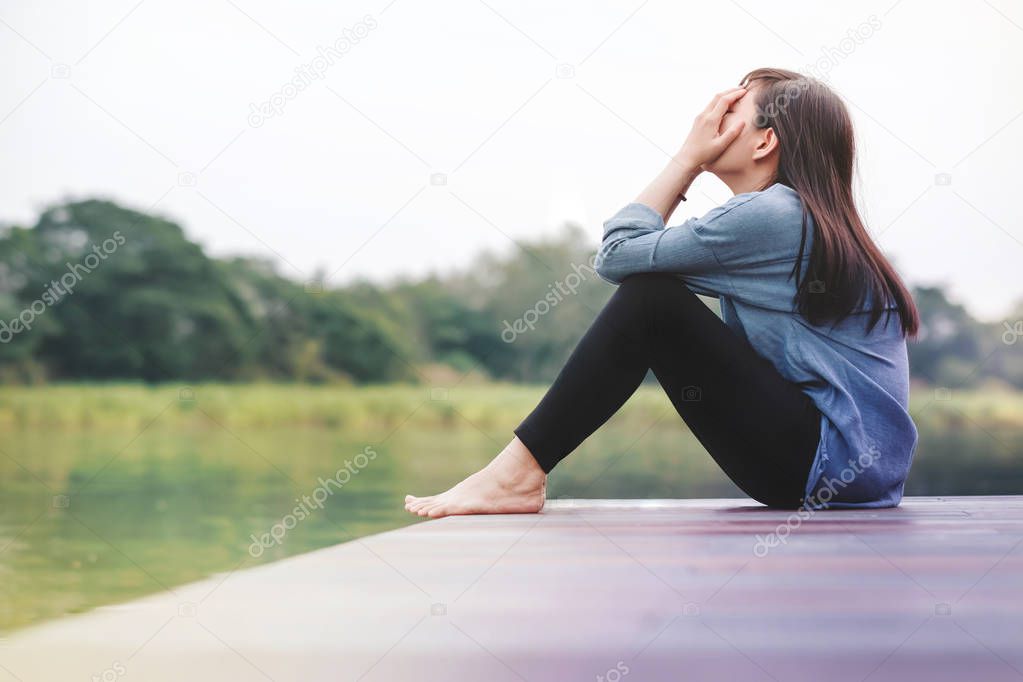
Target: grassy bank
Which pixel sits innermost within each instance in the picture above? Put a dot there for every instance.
(102, 406)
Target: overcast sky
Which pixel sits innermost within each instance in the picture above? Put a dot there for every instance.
(445, 128)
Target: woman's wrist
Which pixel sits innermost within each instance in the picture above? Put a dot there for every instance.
(686, 165)
(665, 192)
(686, 171)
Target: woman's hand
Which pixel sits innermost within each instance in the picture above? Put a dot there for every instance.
(706, 141)
(704, 145)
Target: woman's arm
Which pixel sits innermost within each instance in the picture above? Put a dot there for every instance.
(635, 238)
(704, 144)
(665, 192)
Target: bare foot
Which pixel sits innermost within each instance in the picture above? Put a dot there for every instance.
(513, 483)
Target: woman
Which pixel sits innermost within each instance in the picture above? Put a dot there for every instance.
(800, 391)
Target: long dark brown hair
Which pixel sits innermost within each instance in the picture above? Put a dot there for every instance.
(846, 270)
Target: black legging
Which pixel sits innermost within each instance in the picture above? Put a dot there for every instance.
(761, 429)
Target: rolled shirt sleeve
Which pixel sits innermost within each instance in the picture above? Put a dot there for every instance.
(743, 249)
(637, 241)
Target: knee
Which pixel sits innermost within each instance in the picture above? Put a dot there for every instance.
(655, 288)
(650, 282)
(651, 300)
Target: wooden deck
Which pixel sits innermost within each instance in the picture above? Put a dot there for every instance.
(589, 590)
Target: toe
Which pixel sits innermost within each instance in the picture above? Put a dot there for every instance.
(424, 501)
(432, 503)
(443, 508)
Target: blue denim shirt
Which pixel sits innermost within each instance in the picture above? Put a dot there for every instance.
(742, 253)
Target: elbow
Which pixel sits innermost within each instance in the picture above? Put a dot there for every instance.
(607, 268)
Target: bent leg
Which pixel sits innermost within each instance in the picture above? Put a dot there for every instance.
(759, 428)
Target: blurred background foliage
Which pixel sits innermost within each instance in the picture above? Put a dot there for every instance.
(159, 309)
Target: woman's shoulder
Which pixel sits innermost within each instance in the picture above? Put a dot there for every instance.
(770, 216)
(775, 204)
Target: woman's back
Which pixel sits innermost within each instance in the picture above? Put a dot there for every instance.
(743, 253)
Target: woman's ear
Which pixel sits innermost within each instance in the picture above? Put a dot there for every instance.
(767, 143)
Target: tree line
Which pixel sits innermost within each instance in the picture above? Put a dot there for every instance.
(96, 291)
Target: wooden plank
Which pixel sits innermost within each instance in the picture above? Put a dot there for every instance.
(589, 590)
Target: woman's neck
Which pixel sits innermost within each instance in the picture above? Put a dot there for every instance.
(751, 181)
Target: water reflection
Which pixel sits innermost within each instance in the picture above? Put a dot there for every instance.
(95, 518)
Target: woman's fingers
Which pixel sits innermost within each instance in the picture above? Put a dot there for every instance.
(730, 92)
(730, 133)
(706, 141)
(724, 101)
